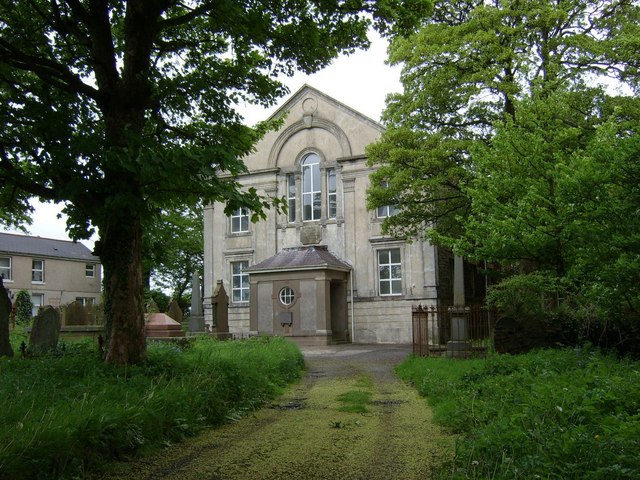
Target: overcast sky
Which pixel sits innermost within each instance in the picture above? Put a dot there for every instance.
(361, 81)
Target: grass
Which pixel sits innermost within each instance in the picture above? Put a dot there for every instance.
(556, 414)
(356, 401)
(66, 415)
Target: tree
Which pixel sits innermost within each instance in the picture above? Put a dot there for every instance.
(464, 72)
(176, 249)
(509, 145)
(120, 108)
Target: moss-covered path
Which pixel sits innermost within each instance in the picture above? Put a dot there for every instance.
(349, 418)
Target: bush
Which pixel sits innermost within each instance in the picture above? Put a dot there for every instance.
(24, 307)
(565, 414)
(64, 416)
(523, 295)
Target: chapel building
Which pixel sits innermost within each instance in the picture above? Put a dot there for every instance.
(323, 272)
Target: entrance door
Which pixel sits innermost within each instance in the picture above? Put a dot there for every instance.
(339, 318)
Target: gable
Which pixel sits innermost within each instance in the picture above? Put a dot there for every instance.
(316, 121)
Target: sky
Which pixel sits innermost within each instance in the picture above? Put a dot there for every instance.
(361, 81)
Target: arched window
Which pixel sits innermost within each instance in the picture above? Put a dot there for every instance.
(311, 198)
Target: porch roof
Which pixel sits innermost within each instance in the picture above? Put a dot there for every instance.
(301, 258)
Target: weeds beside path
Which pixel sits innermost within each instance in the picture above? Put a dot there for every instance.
(349, 418)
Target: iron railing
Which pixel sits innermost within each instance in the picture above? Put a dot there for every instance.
(432, 329)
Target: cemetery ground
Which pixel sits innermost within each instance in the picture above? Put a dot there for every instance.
(552, 414)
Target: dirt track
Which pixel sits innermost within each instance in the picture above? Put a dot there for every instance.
(305, 435)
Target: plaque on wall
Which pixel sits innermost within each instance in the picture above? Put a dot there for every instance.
(311, 234)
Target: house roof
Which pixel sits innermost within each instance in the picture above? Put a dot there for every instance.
(301, 258)
(45, 247)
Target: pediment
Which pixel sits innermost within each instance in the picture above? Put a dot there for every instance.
(314, 120)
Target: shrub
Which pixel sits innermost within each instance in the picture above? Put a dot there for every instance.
(523, 295)
(24, 307)
(565, 414)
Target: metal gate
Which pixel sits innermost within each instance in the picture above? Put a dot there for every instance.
(432, 329)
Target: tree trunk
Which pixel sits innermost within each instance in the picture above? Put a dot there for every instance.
(121, 256)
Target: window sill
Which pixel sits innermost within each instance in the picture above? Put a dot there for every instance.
(238, 304)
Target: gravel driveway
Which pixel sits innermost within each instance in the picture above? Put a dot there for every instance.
(306, 434)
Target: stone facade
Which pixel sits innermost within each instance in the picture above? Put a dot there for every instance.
(54, 272)
(317, 161)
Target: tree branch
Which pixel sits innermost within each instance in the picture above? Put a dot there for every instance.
(48, 70)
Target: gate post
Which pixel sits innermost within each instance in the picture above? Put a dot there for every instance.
(459, 345)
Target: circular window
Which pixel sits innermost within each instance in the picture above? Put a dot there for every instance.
(287, 296)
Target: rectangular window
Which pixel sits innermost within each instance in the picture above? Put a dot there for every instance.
(90, 270)
(291, 197)
(239, 282)
(37, 301)
(332, 195)
(37, 271)
(5, 268)
(390, 271)
(85, 300)
(386, 210)
(240, 220)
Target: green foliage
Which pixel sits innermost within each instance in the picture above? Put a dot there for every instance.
(570, 414)
(509, 145)
(174, 249)
(520, 295)
(463, 72)
(355, 401)
(65, 416)
(24, 307)
(125, 111)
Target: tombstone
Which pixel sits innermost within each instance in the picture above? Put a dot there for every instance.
(196, 320)
(151, 306)
(174, 311)
(196, 296)
(76, 314)
(220, 303)
(5, 313)
(161, 325)
(45, 330)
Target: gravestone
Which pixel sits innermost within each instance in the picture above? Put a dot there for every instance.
(45, 331)
(76, 314)
(196, 319)
(161, 325)
(5, 313)
(220, 303)
(174, 311)
(151, 306)
(196, 296)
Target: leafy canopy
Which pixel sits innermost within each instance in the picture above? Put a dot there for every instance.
(123, 109)
(515, 141)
